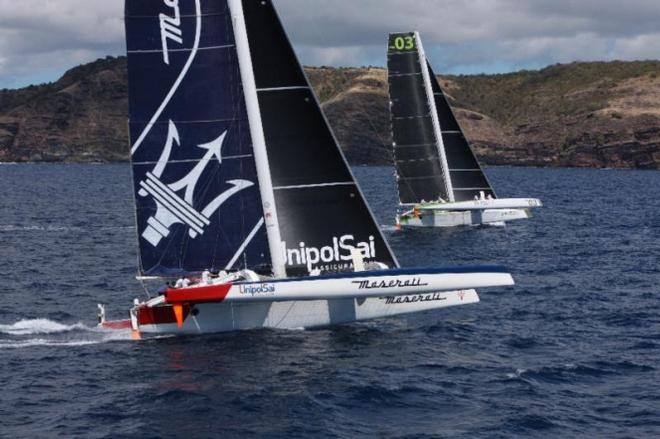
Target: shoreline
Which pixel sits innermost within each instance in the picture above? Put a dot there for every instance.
(118, 163)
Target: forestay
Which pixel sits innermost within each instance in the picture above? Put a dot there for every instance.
(196, 191)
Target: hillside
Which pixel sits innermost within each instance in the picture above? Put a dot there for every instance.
(580, 114)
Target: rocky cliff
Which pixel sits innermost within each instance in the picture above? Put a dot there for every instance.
(581, 114)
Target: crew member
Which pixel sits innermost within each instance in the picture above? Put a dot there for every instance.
(206, 277)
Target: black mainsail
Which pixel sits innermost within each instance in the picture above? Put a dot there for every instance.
(203, 200)
(433, 158)
(321, 210)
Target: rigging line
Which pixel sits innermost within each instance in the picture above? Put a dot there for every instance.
(146, 290)
(243, 246)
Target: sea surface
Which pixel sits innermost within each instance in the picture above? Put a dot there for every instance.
(572, 351)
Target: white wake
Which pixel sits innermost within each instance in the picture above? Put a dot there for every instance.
(39, 326)
(45, 332)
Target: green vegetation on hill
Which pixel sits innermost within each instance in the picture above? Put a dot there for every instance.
(558, 90)
(597, 114)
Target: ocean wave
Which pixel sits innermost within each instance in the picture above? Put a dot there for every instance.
(52, 333)
(45, 332)
(570, 372)
(45, 342)
(40, 326)
(35, 228)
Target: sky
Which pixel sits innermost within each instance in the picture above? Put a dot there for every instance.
(41, 39)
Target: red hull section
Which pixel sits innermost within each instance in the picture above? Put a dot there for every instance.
(117, 325)
(161, 315)
(208, 294)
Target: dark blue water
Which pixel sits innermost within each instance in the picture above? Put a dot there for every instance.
(572, 351)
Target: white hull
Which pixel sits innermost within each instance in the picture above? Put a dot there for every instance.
(468, 213)
(483, 204)
(465, 218)
(224, 317)
(308, 302)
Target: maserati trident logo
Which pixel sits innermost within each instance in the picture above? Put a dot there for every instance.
(170, 28)
(174, 201)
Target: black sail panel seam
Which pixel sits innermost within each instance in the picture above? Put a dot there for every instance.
(215, 14)
(199, 49)
(401, 75)
(284, 88)
(425, 177)
(311, 186)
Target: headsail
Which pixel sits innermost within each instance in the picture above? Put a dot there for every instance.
(467, 177)
(433, 158)
(196, 191)
(322, 212)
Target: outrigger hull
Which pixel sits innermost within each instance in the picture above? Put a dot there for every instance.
(468, 213)
(226, 317)
(440, 218)
(310, 302)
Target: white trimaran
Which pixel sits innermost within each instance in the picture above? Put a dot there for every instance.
(237, 172)
(440, 181)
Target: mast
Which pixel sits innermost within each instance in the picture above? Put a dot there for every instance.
(434, 117)
(258, 139)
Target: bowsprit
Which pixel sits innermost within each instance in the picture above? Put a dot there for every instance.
(175, 209)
